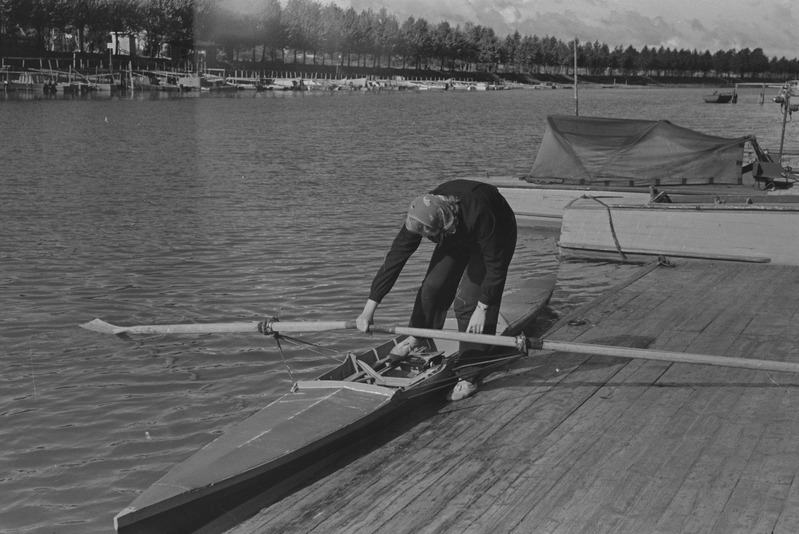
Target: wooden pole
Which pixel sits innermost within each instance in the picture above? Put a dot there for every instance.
(576, 99)
(785, 110)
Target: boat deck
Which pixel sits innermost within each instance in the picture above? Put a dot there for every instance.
(575, 443)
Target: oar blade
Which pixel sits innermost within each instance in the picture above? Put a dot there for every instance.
(98, 325)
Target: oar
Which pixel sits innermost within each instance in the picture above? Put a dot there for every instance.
(266, 327)
(527, 345)
(666, 356)
(275, 326)
(520, 343)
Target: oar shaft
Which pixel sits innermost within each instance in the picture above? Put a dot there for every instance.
(667, 356)
(309, 326)
(483, 339)
(192, 328)
(267, 327)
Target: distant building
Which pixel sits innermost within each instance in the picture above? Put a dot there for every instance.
(122, 44)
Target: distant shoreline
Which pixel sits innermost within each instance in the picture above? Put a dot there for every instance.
(99, 63)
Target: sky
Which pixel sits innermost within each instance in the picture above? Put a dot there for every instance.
(772, 25)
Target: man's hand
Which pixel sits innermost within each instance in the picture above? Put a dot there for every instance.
(478, 321)
(366, 318)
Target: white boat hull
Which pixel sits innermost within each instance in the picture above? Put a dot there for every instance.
(544, 205)
(741, 232)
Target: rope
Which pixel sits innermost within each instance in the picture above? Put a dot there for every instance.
(296, 341)
(622, 257)
(283, 357)
(313, 347)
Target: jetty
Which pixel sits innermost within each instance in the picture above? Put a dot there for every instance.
(563, 442)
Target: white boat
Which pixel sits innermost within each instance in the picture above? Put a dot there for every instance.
(462, 86)
(634, 161)
(757, 233)
(214, 82)
(790, 89)
(286, 84)
(157, 80)
(105, 82)
(28, 81)
(243, 83)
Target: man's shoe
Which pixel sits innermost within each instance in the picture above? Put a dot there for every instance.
(463, 389)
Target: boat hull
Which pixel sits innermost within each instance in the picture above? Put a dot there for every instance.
(271, 449)
(743, 232)
(544, 204)
(718, 98)
(266, 456)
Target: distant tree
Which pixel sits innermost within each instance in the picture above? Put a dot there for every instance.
(441, 41)
(510, 50)
(43, 15)
(270, 28)
(386, 35)
(551, 53)
(366, 23)
(615, 59)
(739, 61)
(721, 63)
(459, 49)
(564, 54)
(488, 48)
(629, 60)
(83, 14)
(705, 63)
(601, 58)
(758, 62)
(469, 46)
(350, 35)
(687, 62)
(419, 41)
(303, 26)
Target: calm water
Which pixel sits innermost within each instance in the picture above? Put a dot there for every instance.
(208, 209)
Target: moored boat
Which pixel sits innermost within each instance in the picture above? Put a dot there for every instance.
(244, 83)
(166, 81)
(789, 89)
(105, 82)
(277, 448)
(29, 81)
(718, 98)
(746, 232)
(214, 82)
(633, 161)
(286, 84)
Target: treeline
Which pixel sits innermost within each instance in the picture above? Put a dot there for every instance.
(85, 25)
(307, 31)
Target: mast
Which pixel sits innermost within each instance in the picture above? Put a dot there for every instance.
(786, 108)
(576, 100)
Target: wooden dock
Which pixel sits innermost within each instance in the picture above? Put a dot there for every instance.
(574, 443)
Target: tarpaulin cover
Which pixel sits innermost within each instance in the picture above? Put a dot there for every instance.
(634, 153)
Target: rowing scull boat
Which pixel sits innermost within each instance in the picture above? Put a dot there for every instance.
(275, 449)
